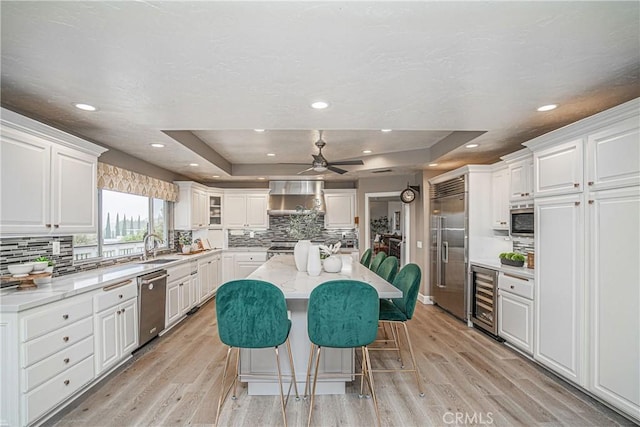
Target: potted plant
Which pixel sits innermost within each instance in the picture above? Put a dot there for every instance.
(331, 259)
(511, 258)
(185, 242)
(303, 226)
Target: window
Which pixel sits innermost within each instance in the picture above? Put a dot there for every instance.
(122, 220)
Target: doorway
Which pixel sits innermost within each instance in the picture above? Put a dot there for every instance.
(387, 225)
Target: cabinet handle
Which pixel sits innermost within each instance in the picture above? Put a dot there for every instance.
(512, 287)
(66, 382)
(65, 339)
(123, 310)
(48, 225)
(576, 185)
(590, 183)
(65, 316)
(120, 296)
(590, 202)
(66, 360)
(118, 312)
(577, 203)
(521, 194)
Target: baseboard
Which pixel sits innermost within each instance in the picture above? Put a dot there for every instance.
(425, 299)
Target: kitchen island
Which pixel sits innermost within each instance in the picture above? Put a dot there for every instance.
(297, 286)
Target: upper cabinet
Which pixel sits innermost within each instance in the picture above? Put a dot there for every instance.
(246, 208)
(48, 179)
(520, 166)
(500, 197)
(192, 207)
(341, 208)
(215, 209)
(558, 169)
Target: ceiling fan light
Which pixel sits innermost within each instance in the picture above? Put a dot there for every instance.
(319, 168)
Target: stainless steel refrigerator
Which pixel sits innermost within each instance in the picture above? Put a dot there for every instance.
(448, 250)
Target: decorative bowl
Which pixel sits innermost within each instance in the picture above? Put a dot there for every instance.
(511, 262)
(40, 265)
(24, 268)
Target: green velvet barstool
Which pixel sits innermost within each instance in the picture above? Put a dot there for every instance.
(253, 314)
(388, 268)
(366, 258)
(342, 314)
(377, 260)
(398, 311)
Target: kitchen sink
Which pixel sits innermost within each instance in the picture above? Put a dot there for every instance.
(159, 261)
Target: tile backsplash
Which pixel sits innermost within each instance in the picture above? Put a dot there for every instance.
(523, 245)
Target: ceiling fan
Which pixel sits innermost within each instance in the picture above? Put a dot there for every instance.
(320, 164)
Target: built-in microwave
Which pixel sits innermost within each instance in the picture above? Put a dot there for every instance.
(522, 223)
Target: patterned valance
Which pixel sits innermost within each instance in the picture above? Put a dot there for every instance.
(118, 179)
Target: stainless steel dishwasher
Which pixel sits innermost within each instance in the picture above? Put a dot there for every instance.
(152, 291)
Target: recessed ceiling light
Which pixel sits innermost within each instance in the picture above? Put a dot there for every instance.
(215, 176)
(271, 154)
(319, 105)
(319, 176)
(548, 107)
(85, 107)
(193, 164)
(157, 145)
(471, 145)
(367, 151)
(259, 130)
(433, 164)
(386, 130)
(261, 177)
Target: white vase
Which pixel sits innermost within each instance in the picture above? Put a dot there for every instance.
(314, 266)
(186, 249)
(301, 254)
(332, 264)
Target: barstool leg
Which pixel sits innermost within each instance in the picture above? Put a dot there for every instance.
(309, 367)
(371, 385)
(313, 388)
(293, 372)
(234, 396)
(363, 372)
(413, 360)
(396, 341)
(222, 389)
(284, 415)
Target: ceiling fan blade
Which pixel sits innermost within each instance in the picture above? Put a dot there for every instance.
(336, 170)
(348, 162)
(306, 170)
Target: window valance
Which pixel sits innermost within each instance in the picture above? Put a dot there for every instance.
(114, 178)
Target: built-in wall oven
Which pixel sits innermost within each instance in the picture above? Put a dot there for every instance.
(522, 221)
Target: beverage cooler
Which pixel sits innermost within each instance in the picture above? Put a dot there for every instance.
(484, 303)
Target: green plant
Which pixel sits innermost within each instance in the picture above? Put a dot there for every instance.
(513, 256)
(49, 262)
(380, 225)
(304, 226)
(184, 239)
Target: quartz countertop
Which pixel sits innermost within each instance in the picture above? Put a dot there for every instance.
(495, 264)
(247, 249)
(13, 300)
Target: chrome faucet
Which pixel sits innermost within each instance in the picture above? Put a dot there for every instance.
(156, 239)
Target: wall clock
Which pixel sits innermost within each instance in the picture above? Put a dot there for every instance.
(408, 195)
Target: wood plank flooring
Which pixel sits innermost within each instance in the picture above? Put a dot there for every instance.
(469, 379)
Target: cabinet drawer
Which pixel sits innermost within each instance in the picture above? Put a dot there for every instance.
(49, 344)
(516, 285)
(178, 272)
(261, 256)
(44, 398)
(57, 363)
(107, 299)
(55, 318)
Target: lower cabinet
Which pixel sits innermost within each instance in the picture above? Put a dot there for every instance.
(515, 320)
(208, 276)
(239, 265)
(116, 334)
(182, 295)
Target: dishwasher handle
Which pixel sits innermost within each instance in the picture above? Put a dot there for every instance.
(155, 279)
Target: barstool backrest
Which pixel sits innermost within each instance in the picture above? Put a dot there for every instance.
(376, 261)
(366, 258)
(388, 268)
(408, 281)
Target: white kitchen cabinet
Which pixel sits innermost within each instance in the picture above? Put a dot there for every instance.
(246, 209)
(520, 166)
(559, 285)
(183, 288)
(515, 310)
(214, 206)
(192, 208)
(558, 169)
(613, 156)
(614, 293)
(58, 195)
(228, 267)
(246, 263)
(209, 276)
(500, 199)
(340, 208)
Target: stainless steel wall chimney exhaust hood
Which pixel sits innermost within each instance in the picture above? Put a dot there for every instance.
(286, 196)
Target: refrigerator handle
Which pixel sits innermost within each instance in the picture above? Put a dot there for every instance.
(439, 222)
(445, 253)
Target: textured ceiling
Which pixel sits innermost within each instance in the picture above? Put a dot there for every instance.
(200, 76)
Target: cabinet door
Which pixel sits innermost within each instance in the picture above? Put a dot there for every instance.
(228, 267)
(204, 279)
(173, 303)
(106, 338)
(614, 278)
(257, 211)
(340, 210)
(215, 210)
(235, 210)
(185, 295)
(500, 199)
(74, 191)
(613, 156)
(245, 268)
(519, 187)
(558, 169)
(559, 285)
(129, 326)
(515, 320)
(216, 268)
(25, 208)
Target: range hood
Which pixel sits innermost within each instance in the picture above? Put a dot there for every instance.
(286, 196)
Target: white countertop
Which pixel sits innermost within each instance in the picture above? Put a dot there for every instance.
(281, 271)
(13, 300)
(495, 264)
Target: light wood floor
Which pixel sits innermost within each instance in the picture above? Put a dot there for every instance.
(174, 381)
